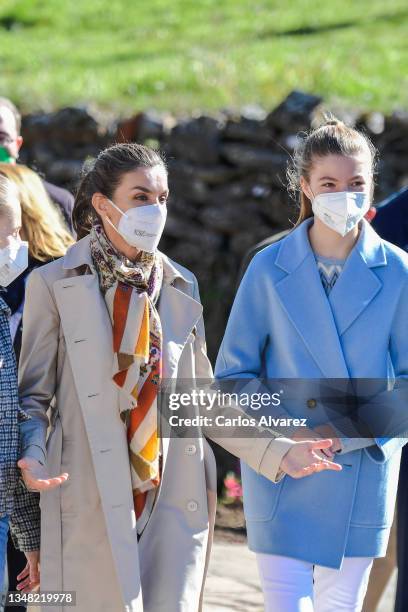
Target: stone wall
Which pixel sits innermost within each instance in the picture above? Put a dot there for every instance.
(227, 177)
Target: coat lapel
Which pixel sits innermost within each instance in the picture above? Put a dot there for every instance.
(179, 313)
(357, 284)
(321, 321)
(302, 296)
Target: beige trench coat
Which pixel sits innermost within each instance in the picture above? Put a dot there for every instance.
(88, 526)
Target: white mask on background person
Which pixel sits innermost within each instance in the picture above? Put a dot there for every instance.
(142, 226)
(341, 210)
(13, 261)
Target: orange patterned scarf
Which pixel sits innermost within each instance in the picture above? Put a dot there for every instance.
(131, 290)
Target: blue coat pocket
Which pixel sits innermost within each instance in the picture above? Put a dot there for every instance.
(376, 492)
(261, 496)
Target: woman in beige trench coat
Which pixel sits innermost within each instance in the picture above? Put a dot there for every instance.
(70, 383)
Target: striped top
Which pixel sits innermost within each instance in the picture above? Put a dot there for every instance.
(329, 270)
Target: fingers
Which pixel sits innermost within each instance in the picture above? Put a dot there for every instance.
(316, 467)
(23, 585)
(24, 573)
(42, 484)
(56, 481)
(31, 579)
(320, 444)
(30, 588)
(322, 448)
(36, 485)
(34, 573)
(325, 465)
(330, 465)
(326, 453)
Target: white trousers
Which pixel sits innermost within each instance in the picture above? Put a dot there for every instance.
(290, 585)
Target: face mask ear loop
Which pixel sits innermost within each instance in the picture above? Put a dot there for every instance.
(117, 208)
(112, 225)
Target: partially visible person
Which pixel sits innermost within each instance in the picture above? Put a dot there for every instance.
(18, 508)
(391, 222)
(328, 300)
(11, 142)
(45, 231)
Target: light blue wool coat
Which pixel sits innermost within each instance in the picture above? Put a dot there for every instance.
(282, 325)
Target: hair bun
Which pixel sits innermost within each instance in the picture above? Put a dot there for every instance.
(330, 120)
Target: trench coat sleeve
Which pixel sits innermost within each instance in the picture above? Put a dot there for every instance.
(264, 455)
(38, 362)
(388, 411)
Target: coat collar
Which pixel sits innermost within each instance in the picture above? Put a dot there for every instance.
(322, 321)
(296, 246)
(179, 311)
(79, 254)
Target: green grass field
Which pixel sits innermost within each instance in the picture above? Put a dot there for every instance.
(185, 55)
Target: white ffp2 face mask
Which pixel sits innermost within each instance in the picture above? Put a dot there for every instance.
(341, 210)
(13, 261)
(142, 226)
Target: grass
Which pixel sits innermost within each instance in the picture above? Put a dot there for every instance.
(185, 55)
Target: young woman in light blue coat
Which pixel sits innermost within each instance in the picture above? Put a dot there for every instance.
(330, 300)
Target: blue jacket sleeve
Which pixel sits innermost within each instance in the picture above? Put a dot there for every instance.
(246, 336)
(240, 354)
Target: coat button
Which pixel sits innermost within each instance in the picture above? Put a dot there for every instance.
(192, 506)
(190, 449)
(311, 403)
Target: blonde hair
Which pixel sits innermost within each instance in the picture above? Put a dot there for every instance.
(8, 195)
(42, 224)
(333, 137)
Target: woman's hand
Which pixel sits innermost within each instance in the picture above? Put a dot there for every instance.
(303, 459)
(36, 477)
(305, 433)
(327, 431)
(29, 578)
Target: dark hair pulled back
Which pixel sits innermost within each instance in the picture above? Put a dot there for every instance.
(104, 174)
